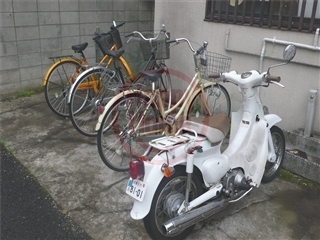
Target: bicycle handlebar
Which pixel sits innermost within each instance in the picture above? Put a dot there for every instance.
(163, 29)
(195, 52)
(115, 25)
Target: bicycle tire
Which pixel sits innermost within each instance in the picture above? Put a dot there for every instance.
(218, 101)
(57, 86)
(86, 103)
(115, 144)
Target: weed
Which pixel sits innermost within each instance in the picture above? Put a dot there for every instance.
(25, 93)
(9, 150)
(290, 177)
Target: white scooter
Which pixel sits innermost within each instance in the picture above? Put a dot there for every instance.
(190, 179)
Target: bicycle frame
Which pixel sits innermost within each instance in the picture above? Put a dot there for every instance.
(185, 101)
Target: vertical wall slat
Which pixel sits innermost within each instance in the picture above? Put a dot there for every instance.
(313, 15)
(252, 13)
(270, 14)
(280, 13)
(303, 8)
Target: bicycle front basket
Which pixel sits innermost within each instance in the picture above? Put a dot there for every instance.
(105, 42)
(210, 62)
(116, 37)
(162, 50)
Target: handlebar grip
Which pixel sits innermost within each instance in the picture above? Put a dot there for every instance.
(214, 75)
(129, 35)
(118, 25)
(273, 78)
(200, 50)
(171, 41)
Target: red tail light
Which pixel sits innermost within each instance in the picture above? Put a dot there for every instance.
(136, 169)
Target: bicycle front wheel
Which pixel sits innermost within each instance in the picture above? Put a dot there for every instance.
(57, 86)
(89, 96)
(216, 98)
(117, 139)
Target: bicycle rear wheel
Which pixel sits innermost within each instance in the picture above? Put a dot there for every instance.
(217, 98)
(88, 98)
(117, 141)
(59, 81)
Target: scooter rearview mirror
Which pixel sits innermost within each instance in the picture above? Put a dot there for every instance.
(289, 52)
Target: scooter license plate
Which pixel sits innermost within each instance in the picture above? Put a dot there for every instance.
(136, 189)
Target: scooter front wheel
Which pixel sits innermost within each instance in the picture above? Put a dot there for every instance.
(166, 202)
(272, 168)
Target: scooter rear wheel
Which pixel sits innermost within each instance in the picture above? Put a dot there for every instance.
(167, 200)
(272, 168)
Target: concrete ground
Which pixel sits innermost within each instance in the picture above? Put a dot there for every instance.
(68, 166)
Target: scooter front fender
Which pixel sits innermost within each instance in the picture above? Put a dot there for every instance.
(153, 177)
(272, 119)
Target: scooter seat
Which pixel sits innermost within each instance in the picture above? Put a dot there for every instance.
(214, 128)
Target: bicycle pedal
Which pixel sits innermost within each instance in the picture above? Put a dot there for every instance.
(170, 120)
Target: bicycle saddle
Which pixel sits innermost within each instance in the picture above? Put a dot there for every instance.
(153, 74)
(80, 47)
(115, 53)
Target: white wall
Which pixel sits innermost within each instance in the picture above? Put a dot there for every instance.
(184, 18)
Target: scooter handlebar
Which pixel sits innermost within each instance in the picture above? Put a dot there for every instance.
(214, 75)
(273, 78)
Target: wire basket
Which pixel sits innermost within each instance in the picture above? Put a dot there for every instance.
(116, 37)
(106, 41)
(162, 50)
(210, 62)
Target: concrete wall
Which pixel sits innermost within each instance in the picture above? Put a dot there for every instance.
(33, 30)
(244, 44)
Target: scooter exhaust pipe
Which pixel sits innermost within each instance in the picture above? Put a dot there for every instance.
(186, 220)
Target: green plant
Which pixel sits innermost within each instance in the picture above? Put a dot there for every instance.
(9, 150)
(24, 93)
(290, 177)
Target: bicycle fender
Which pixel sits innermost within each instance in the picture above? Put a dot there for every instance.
(154, 177)
(80, 77)
(272, 119)
(45, 79)
(112, 101)
(194, 95)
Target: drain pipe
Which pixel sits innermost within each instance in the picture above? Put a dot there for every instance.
(310, 113)
(314, 47)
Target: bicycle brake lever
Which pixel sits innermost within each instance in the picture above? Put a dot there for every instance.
(129, 39)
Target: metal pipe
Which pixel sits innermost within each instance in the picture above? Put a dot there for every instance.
(310, 113)
(275, 41)
(316, 37)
